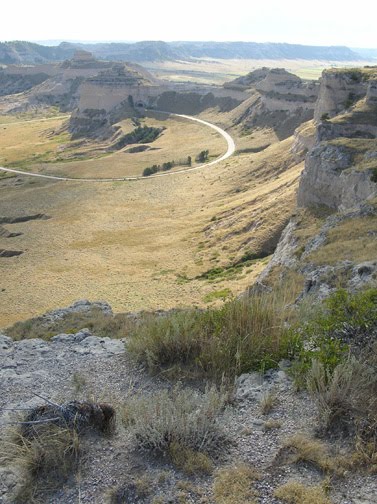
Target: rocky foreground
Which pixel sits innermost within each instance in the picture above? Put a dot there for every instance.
(84, 366)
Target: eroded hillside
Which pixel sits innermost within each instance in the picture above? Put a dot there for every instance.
(331, 241)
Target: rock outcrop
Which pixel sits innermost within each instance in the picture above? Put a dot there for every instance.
(337, 90)
(280, 100)
(338, 171)
(339, 178)
(330, 179)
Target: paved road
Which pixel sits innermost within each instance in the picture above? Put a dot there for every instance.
(229, 152)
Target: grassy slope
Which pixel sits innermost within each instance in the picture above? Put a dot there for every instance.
(140, 245)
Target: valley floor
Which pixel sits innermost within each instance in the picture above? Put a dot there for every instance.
(143, 245)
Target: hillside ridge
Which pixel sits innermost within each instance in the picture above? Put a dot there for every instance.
(28, 52)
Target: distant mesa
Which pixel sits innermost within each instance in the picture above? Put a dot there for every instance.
(84, 59)
(30, 53)
(81, 55)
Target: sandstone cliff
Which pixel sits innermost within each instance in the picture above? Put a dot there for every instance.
(331, 240)
(279, 100)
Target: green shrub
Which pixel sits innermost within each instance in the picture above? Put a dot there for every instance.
(202, 156)
(215, 295)
(141, 134)
(343, 322)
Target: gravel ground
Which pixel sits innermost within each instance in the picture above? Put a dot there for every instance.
(83, 366)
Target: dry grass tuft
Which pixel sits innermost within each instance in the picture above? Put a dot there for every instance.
(46, 461)
(302, 448)
(294, 492)
(346, 402)
(272, 424)
(135, 490)
(234, 485)
(333, 394)
(190, 461)
(268, 402)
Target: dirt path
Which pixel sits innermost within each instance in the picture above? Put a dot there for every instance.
(224, 134)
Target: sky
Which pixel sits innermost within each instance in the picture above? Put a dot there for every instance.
(322, 22)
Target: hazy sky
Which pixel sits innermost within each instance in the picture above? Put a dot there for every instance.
(322, 22)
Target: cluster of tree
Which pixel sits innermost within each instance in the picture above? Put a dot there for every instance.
(141, 134)
(202, 156)
(166, 166)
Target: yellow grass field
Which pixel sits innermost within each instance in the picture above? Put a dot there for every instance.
(142, 245)
(38, 146)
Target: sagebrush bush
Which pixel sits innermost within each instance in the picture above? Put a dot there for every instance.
(179, 416)
(241, 336)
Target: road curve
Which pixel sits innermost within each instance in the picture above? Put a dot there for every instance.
(229, 152)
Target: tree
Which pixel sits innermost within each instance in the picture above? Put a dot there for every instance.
(203, 156)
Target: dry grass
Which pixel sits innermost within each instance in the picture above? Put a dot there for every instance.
(190, 461)
(353, 240)
(25, 140)
(294, 492)
(241, 336)
(268, 402)
(37, 145)
(309, 223)
(45, 461)
(303, 449)
(234, 485)
(333, 393)
(132, 243)
(180, 139)
(346, 401)
(95, 320)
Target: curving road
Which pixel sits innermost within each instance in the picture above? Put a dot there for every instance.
(229, 152)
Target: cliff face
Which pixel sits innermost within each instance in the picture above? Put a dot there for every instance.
(331, 178)
(340, 170)
(337, 88)
(331, 241)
